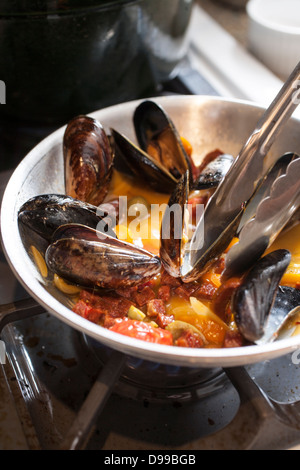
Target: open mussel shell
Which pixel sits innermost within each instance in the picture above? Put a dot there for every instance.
(139, 164)
(43, 214)
(88, 160)
(254, 298)
(214, 172)
(290, 326)
(172, 228)
(158, 136)
(284, 314)
(82, 256)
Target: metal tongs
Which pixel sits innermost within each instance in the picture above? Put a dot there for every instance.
(273, 213)
(224, 211)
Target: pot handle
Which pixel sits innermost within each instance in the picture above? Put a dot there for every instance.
(265, 407)
(18, 310)
(83, 425)
(248, 390)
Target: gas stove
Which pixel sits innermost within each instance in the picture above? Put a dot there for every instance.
(70, 392)
(63, 390)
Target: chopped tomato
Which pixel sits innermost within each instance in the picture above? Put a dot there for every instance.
(222, 298)
(141, 330)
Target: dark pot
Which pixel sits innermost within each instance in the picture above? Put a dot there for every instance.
(65, 57)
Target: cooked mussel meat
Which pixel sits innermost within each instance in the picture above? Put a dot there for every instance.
(87, 258)
(88, 160)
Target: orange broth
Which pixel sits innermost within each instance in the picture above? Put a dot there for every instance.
(194, 309)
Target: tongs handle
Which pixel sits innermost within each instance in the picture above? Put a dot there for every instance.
(264, 405)
(280, 110)
(225, 208)
(251, 158)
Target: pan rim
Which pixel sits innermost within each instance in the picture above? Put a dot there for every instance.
(16, 255)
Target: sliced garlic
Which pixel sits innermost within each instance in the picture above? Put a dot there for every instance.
(39, 261)
(64, 287)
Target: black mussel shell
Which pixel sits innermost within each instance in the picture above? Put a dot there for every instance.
(80, 256)
(159, 159)
(158, 136)
(139, 164)
(172, 228)
(45, 213)
(213, 172)
(254, 298)
(287, 299)
(88, 159)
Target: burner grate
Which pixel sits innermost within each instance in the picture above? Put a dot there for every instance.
(71, 400)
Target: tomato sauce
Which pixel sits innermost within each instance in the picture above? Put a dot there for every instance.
(164, 303)
(165, 310)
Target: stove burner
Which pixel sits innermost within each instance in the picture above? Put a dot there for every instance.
(74, 385)
(148, 381)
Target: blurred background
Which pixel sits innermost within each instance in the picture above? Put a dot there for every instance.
(60, 58)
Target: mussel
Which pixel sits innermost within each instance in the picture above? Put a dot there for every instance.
(138, 163)
(171, 243)
(254, 298)
(83, 256)
(88, 160)
(158, 136)
(214, 172)
(160, 159)
(45, 213)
